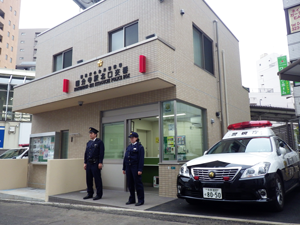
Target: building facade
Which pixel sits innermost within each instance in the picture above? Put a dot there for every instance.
(9, 29)
(268, 92)
(15, 127)
(151, 67)
(27, 48)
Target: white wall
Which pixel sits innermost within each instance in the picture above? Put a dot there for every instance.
(24, 134)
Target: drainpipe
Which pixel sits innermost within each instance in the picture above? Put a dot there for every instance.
(220, 84)
(7, 96)
(225, 87)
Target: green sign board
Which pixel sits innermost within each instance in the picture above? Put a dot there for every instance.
(284, 84)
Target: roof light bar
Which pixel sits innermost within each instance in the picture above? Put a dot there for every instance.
(249, 124)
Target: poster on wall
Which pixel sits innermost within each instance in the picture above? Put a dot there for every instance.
(42, 147)
(294, 19)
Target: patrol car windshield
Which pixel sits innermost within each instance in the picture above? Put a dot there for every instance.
(243, 145)
(12, 153)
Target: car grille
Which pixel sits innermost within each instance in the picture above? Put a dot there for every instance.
(203, 173)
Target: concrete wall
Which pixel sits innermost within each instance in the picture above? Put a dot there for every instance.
(13, 173)
(64, 175)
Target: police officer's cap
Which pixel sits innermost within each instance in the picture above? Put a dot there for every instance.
(93, 130)
(133, 134)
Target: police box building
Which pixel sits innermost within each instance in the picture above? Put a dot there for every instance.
(168, 70)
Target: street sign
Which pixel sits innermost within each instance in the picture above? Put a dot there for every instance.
(285, 86)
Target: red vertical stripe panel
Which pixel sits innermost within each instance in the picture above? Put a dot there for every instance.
(142, 64)
(66, 86)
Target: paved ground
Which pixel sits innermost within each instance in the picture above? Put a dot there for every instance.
(261, 212)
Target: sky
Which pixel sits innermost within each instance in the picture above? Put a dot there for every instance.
(259, 25)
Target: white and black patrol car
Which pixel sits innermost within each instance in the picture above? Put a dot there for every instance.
(250, 164)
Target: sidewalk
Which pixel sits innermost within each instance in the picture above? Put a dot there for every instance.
(112, 198)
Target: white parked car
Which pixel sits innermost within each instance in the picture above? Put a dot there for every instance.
(250, 164)
(16, 153)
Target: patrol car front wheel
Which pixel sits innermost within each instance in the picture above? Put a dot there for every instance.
(278, 202)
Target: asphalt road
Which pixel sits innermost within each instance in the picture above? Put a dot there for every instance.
(41, 214)
(261, 212)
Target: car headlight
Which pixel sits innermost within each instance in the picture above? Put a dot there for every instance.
(184, 171)
(258, 170)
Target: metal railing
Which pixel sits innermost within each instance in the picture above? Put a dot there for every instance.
(15, 117)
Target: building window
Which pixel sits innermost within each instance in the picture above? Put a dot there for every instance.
(23, 33)
(62, 60)
(203, 51)
(15, 13)
(34, 59)
(10, 60)
(22, 42)
(123, 37)
(12, 48)
(183, 133)
(9, 22)
(0, 50)
(34, 51)
(8, 34)
(14, 26)
(7, 45)
(113, 138)
(21, 50)
(10, 8)
(21, 58)
(1, 26)
(6, 56)
(1, 0)
(2, 14)
(1, 38)
(13, 37)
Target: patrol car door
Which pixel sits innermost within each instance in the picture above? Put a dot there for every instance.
(290, 162)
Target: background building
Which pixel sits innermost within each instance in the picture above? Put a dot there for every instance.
(15, 127)
(27, 48)
(268, 92)
(9, 30)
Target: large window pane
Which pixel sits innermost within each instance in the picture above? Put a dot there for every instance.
(208, 54)
(131, 34)
(113, 138)
(116, 40)
(197, 38)
(168, 122)
(67, 59)
(190, 140)
(58, 62)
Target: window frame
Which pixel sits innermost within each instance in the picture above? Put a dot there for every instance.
(203, 55)
(123, 28)
(61, 53)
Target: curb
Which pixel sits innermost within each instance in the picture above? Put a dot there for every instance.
(109, 209)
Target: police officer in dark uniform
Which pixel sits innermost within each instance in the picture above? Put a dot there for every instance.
(93, 162)
(133, 164)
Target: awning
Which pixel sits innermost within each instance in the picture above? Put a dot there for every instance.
(291, 72)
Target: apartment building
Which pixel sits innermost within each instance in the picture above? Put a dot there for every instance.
(27, 48)
(9, 30)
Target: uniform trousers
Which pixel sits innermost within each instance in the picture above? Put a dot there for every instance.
(134, 182)
(92, 171)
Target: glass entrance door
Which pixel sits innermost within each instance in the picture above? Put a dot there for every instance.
(148, 131)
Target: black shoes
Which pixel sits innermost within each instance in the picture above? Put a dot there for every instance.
(128, 203)
(97, 197)
(88, 196)
(139, 204)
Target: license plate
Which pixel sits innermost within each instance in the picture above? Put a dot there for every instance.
(215, 193)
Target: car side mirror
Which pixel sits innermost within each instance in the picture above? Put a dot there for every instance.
(205, 152)
(282, 151)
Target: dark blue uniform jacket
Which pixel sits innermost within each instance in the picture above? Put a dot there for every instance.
(94, 152)
(134, 155)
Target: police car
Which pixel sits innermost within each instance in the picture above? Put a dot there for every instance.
(250, 164)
